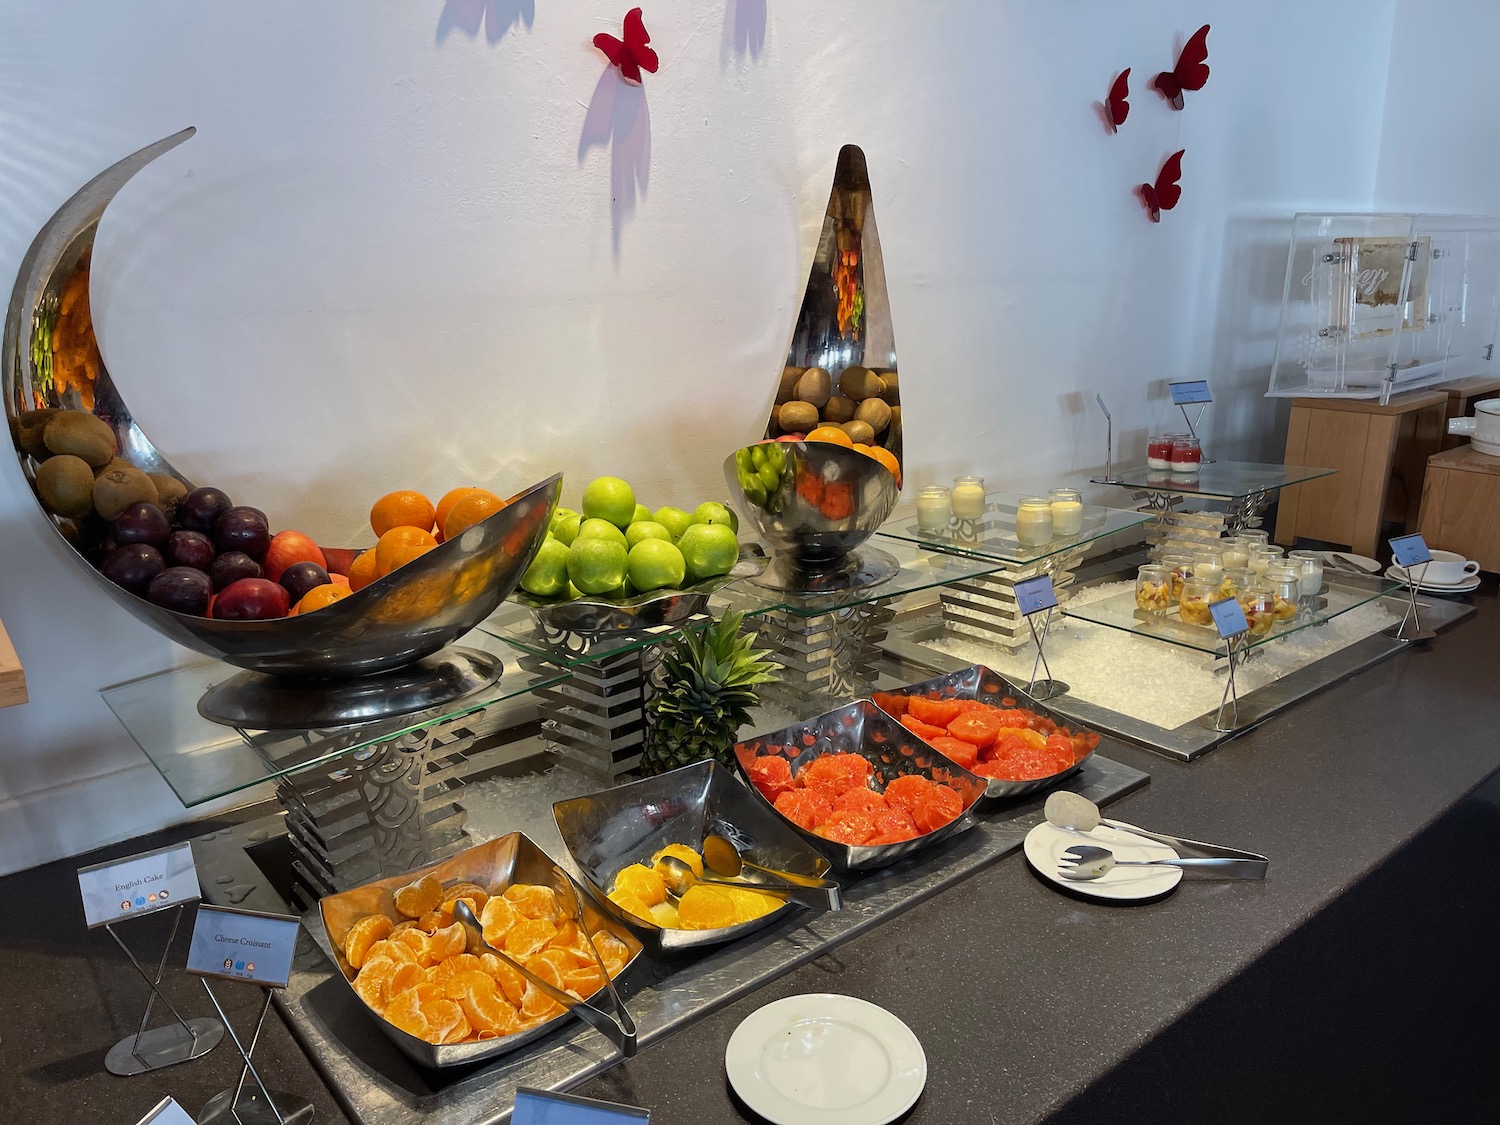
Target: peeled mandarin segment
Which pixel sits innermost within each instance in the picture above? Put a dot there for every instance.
(449, 941)
(512, 983)
(446, 1022)
(406, 978)
(476, 895)
(364, 934)
(496, 919)
(372, 988)
(583, 983)
(568, 934)
(417, 898)
(614, 952)
(544, 969)
(405, 1013)
(397, 951)
(642, 882)
(527, 936)
(419, 944)
(462, 963)
(533, 901)
(408, 924)
(486, 1008)
(459, 985)
(537, 1005)
(685, 853)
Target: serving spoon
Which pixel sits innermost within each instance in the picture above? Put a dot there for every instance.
(823, 894)
(1083, 862)
(1075, 813)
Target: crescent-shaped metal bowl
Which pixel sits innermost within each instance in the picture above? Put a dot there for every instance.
(408, 614)
(813, 502)
(987, 686)
(863, 728)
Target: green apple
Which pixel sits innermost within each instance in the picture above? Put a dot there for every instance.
(641, 513)
(565, 530)
(547, 576)
(597, 566)
(646, 529)
(655, 564)
(674, 520)
(711, 511)
(609, 498)
(709, 549)
(601, 529)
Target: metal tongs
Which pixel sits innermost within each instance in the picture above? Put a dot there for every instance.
(619, 1028)
(1077, 814)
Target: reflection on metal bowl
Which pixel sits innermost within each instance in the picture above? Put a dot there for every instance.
(493, 866)
(607, 831)
(814, 503)
(863, 728)
(979, 682)
(403, 617)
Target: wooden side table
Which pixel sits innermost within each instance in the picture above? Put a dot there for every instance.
(1462, 395)
(1380, 453)
(1461, 505)
(12, 676)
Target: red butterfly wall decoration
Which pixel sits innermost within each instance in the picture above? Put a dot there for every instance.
(1191, 71)
(631, 54)
(1117, 108)
(1164, 194)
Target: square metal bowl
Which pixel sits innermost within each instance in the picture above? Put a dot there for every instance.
(863, 728)
(628, 824)
(988, 686)
(494, 866)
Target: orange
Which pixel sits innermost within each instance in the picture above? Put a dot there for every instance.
(537, 1005)
(545, 969)
(320, 596)
(402, 509)
(362, 570)
(532, 900)
(459, 963)
(449, 941)
(419, 896)
(512, 984)
(833, 435)
(362, 935)
(469, 510)
(527, 936)
(404, 979)
(405, 1012)
(485, 1007)
(391, 950)
(399, 546)
(445, 507)
(888, 459)
(496, 919)
(583, 983)
(612, 950)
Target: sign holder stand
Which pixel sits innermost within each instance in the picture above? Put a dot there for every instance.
(1418, 631)
(1046, 688)
(258, 1106)
(1230, 701)
(1192, 423)
(169, 1044)
(1109, 476)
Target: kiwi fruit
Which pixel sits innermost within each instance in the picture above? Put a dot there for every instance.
(838, 409)
(859, 432)
(815, 386)
(787, 390)
(797, 417)
(120, 485)
(81, 434)
(170, 492)
(860, 383)
(28, 428)
(892, 392)
(875, 412)
(66, 486)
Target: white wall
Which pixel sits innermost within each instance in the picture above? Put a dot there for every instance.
(399, 253)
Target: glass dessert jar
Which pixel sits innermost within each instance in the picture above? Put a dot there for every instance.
(1287, 590)
(968, 498)
(1034, 521)
(1192, 607)
(933, 509)
(1209, 566)
(1067, 510)
(1153, 589)
(1310, 570)
(1187, 455)
(1253, 537)
(1236, 553)
(1181, 566)
(1259, 604)
(1262, 558)
(1235, 580)
(1159, 452)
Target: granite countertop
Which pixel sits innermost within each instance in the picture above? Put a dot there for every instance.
(1250, 1001)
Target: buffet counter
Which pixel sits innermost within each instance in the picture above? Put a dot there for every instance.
(1317, 994)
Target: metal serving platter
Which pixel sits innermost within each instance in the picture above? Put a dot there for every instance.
(494, 866)
(640, 611)
(628, 824)
(863, 728)
(988, 686)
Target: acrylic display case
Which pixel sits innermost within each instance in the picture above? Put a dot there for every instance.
(1375, 304)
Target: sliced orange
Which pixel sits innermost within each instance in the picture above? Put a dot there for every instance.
(402, 509)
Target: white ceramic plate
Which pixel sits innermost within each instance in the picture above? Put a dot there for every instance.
(1363, 562)
(825, 1059)
(1397, 574)
(1046, 843)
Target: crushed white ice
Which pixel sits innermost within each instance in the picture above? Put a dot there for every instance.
(523, 803)
(1163, 684)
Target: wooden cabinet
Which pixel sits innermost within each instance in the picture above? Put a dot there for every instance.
(12, 678)
(1461, 505)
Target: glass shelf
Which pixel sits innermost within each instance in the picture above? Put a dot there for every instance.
(202, 760)
(994, 537)
(921, 569)
(1223, 480)
(517, 625)
(1342, 593)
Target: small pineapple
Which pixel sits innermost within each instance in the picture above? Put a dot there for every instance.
(705, 688)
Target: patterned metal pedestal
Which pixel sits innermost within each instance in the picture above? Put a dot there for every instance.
(596, 719)
(1176, 531)
(984, 607)
(826, 659)
(378, 812)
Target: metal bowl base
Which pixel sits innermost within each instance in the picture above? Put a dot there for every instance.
(256, 701)
(867, 566)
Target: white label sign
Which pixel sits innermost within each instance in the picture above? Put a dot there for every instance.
(538, 1107)
(243, 945)
(138, 884)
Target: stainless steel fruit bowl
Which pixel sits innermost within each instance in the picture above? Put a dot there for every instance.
(493, 866)
(409, 614)
(863, 728)
(815, 504)
(987, 686)
(612, 829)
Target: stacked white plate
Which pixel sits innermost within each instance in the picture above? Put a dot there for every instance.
(1397, 574)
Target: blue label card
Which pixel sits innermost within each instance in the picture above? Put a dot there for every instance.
(1187, 393)
(138, 884)
(1229, 616)
(168, 1112)
(1035, 594)
(1410, 550)
(243, 945)
(537, 1107)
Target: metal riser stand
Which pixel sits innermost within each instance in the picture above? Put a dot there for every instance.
(826, 659)
(380, 812)
(596, 719)
(984, 608)
(1183, 532)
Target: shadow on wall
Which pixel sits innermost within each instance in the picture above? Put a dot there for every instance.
(497, 16)
(619, 118)
(744, 29)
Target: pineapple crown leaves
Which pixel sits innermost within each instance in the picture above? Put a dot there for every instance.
(713, 669)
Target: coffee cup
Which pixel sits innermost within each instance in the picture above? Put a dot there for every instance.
(1447, 568)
